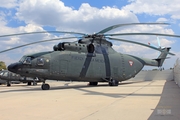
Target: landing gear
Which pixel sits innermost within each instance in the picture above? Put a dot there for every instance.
(93, 83)
(113, 82)
(28, 83)
(8, 83)
(45, 86)
(34, 83)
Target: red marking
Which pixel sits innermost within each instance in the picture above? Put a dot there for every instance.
(131, 62)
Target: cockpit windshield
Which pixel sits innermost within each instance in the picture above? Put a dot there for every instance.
(22, 59)
(5, 74)
(1, 73)
(25, 60)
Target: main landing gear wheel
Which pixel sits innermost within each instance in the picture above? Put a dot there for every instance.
(8, 84)
(45, 86)
(113, 82)
(29, 83)
(93, 83)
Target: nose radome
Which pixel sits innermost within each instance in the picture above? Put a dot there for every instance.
(13, 67)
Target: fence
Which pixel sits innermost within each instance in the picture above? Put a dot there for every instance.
(176, 74)
(154, 75)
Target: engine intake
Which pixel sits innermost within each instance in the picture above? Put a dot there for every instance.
(59, 47)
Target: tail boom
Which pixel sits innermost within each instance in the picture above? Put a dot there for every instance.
(160, 60)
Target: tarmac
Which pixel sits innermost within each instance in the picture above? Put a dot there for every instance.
(131, 100)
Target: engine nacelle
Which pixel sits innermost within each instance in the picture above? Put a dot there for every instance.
(59, 47)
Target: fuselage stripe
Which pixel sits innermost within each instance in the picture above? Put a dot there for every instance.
(107, 62)
(85, 66)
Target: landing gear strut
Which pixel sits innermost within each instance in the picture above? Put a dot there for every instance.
(45, 86)
(8, 83)
(113, 82)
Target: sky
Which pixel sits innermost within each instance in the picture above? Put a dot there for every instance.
(88, 16)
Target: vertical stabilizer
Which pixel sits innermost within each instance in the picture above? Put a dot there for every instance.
(162, 56)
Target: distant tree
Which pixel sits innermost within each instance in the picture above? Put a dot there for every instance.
(2, 65)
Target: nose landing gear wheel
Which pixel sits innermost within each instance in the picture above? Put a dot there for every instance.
(45, 86)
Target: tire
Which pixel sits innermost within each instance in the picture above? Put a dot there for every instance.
(45, 87)
(113, 83)
(29, 83)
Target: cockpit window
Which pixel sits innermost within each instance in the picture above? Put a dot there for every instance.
(1, 73)
(22, 59)
(5, 74)
(40, 61)
(27, 60)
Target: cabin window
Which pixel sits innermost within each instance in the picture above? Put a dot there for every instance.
(40, 61)
(13, 74)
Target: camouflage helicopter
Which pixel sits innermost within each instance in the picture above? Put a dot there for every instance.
(91, 59)
(8, 77)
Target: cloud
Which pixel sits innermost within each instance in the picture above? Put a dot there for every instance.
(8, 3)
(55, 13)
(161, 19)
(155, 7)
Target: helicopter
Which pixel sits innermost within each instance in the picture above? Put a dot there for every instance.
(5, 77)
(8, 77)
(90, 59)
(2, 81)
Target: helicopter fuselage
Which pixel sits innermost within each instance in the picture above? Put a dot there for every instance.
(77, 66)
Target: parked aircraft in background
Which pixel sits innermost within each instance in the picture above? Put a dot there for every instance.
(7, 77)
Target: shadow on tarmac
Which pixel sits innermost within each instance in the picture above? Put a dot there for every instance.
(86, 92)
(30, 88)
(169, 105)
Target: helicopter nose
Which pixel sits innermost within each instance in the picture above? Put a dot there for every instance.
(14, 67)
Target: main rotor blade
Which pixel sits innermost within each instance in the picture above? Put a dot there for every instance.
(159, 34)
(121, 25)
(42, 32)
(35, 43)
(129, 41)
